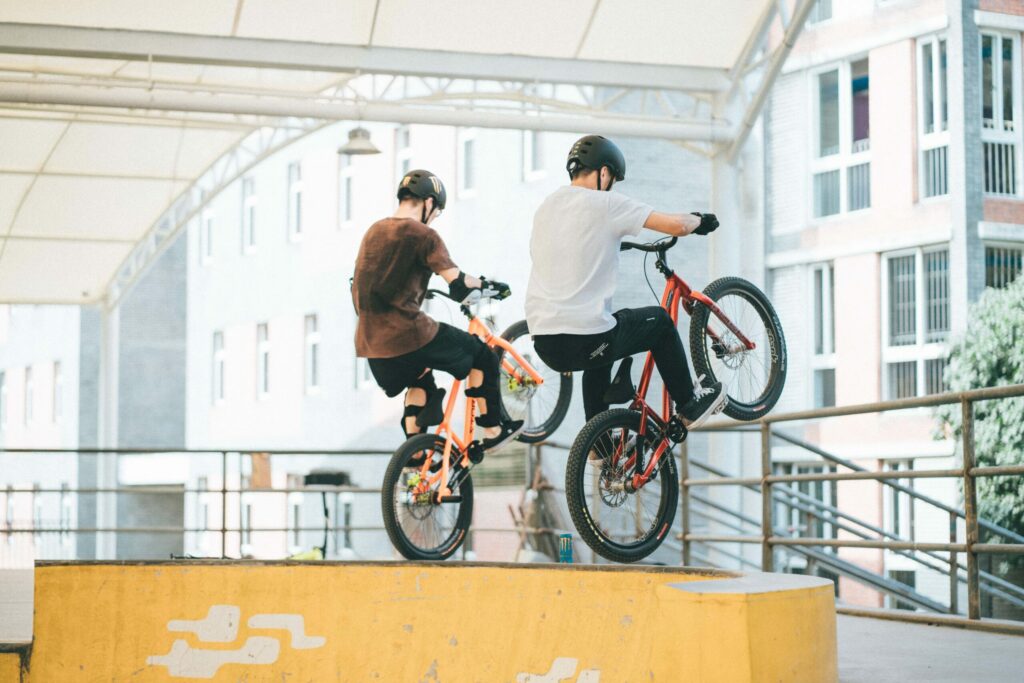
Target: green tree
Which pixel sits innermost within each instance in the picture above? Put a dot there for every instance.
(991, 354)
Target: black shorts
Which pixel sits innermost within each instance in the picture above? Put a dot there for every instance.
(451, 350)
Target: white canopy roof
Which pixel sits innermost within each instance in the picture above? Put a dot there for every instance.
(115, 114)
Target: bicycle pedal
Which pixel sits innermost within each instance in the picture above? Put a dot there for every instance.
(475, 452)
(676, 430)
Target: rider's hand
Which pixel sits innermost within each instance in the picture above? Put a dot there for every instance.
(493, 289)
(708, 223)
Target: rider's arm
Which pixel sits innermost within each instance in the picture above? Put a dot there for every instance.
(450, 274)
(675, 224)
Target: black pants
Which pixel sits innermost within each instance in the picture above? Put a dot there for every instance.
(637, 330)
(452, 351)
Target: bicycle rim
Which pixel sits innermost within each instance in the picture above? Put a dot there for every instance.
(522, 398)
(748, 374)
(425, 528)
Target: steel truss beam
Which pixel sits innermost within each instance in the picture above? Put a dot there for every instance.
(74, 41)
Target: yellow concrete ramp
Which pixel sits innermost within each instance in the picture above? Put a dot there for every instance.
(397, 622)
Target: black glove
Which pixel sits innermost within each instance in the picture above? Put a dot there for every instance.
(708, 223)
(460, 292)
(493, 289)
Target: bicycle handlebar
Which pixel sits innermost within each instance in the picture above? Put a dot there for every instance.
(431, 293)
(653, 247)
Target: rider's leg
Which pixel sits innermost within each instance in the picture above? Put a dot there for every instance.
(482, 384)
(651, 329)
(415, 399)
(595, 384)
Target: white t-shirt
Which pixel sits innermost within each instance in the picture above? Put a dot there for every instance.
(575, 252)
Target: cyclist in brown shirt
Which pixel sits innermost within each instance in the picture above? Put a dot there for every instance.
(402, 343)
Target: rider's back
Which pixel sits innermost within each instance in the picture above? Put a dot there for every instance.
(575, 252)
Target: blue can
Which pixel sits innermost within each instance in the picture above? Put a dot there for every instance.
(565, 548)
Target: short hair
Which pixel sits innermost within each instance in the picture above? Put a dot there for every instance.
(405, 194)
(578, 169)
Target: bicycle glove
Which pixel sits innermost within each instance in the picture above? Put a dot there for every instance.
(493, 289)
(460, 291)
(708, 223)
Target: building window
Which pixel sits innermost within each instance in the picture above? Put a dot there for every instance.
(294, 200)
(312, 353)
(915, 322)
(345, 542)
(58, 391)
(364, 377)
(249, 202)
(29, 396)
(821, 11)
(908, 577)
(206, 237)
(533, 154)
(65, 512)
(841, 168)
(467, 162)
(1000, 101)
(1002, 264)
(346, 181)
(3, 400)
(218, 367)
(246, 531)
(798, 502)
(262, 360)
(823, 361)
(403, 152)
(933, 117)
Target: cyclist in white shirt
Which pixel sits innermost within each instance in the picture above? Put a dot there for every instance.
(574, 250)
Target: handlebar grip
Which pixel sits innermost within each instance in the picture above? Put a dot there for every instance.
(653, 247)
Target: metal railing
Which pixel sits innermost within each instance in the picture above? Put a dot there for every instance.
(231, 492)
(769, 483)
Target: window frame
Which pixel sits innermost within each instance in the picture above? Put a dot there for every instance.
(938, 138)
(206, 225)
(263, 348)
(312, 358)
(294, 201)
(250, 207)
(533, 167)
(922, 350)
(346, 192)
(219, 356)
(845, 159)
(467, 136)
(57, 406)
(997, 134)
(826, 360)
(1002, 244)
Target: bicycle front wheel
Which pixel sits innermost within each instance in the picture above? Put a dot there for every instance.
(542, 407)
(753, 378)
(619, 524)
(419, 527)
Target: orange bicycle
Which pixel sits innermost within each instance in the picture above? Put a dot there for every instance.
(620, 477)
(427, 494)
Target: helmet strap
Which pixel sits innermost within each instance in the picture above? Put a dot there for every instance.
(423, 212)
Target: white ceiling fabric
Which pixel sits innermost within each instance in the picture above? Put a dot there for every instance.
(80, 186)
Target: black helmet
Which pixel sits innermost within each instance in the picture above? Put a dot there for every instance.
(423, 184)
(595, 151)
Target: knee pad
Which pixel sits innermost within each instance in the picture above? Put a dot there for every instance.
(410, 411)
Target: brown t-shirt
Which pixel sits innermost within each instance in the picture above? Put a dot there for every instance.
(395, 262)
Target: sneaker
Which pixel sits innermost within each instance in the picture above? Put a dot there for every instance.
(509, 431)
(708, 399)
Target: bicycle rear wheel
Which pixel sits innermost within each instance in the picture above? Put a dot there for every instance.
(617, 524)
(419, 527)
(542, 407)
(753, 378)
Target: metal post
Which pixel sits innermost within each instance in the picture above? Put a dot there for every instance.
(767, 563)
(223, 505)
(684, 499)
(970, 511)
(954, 579)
